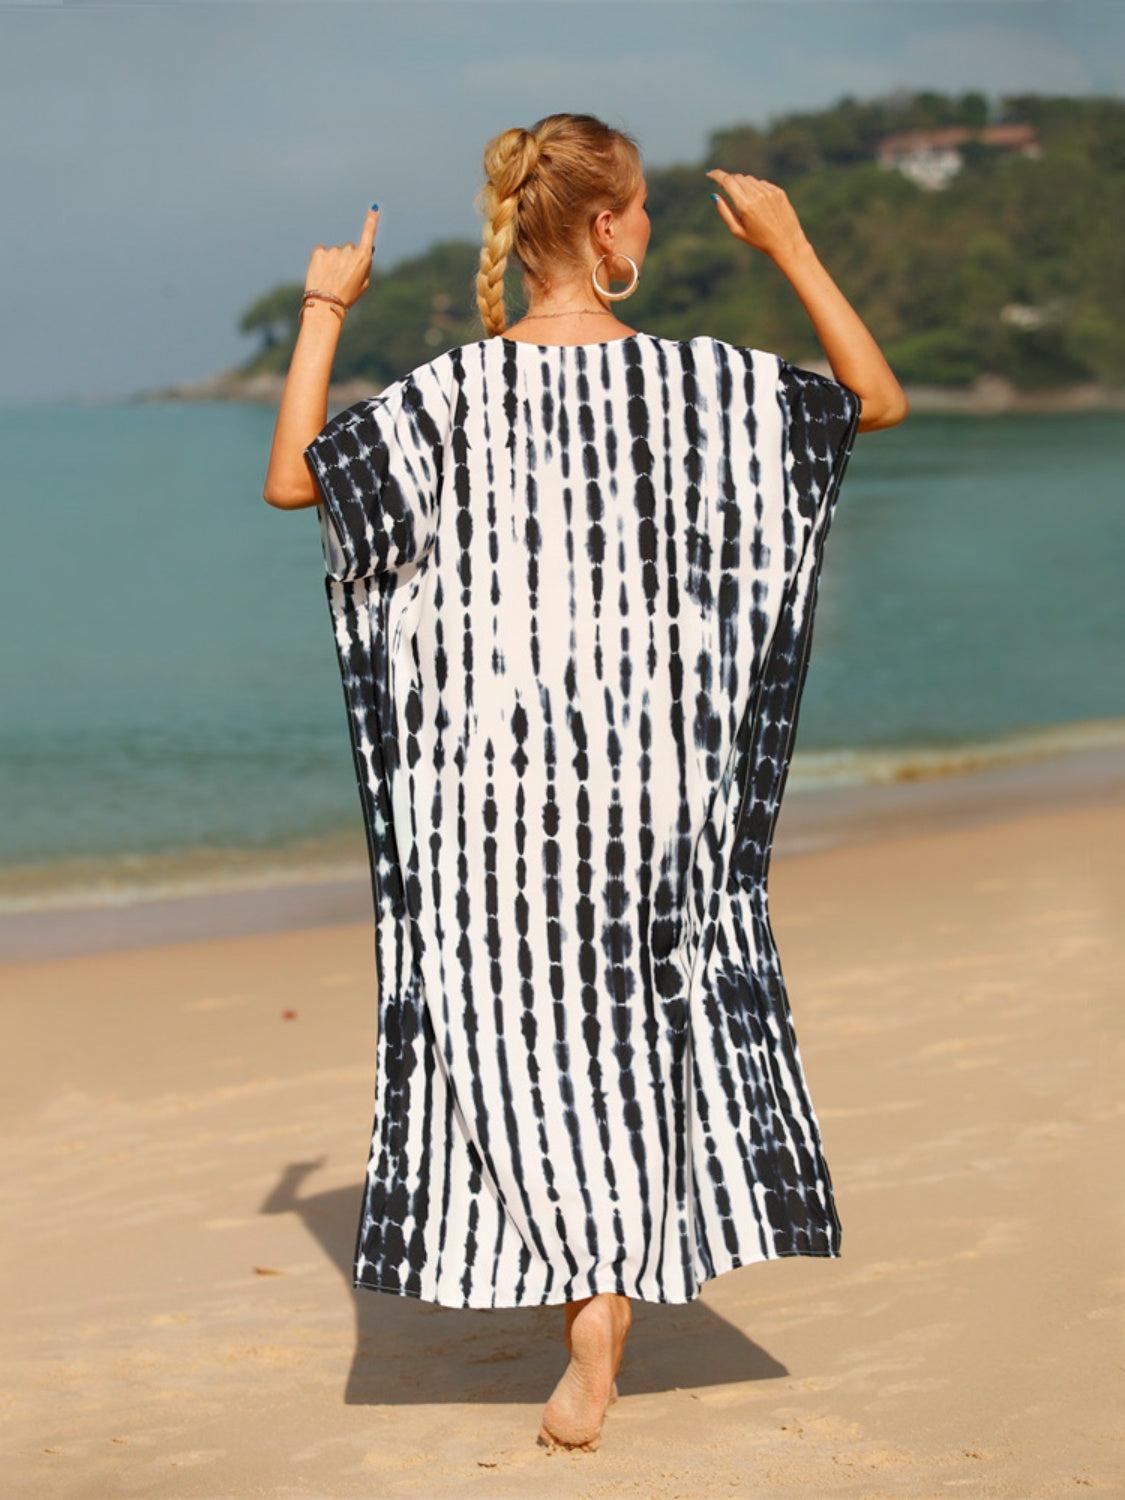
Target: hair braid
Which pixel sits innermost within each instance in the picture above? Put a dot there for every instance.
(509, 160)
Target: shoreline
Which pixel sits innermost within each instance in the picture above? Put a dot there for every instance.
(286, 896)
(987, 396)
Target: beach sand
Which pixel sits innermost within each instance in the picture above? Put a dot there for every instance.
(186, 1128)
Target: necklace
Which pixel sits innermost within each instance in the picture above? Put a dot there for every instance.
(571, 312)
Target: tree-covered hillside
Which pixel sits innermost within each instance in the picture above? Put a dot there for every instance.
(1012, 268)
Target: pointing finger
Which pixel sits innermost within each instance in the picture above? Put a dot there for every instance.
(367, 238)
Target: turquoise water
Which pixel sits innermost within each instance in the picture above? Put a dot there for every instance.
(172, 702)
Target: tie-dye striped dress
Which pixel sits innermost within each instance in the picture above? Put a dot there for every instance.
(572, 590)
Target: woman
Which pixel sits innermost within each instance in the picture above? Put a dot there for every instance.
(571, 568)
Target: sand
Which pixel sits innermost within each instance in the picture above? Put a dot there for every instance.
(186, 1128)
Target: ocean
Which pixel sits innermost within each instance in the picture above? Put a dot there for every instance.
(173, 718)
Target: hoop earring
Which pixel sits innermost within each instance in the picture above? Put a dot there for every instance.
(604, 291)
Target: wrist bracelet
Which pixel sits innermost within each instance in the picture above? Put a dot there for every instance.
(332, 300)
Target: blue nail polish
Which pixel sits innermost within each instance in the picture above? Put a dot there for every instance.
(715, 196)
(374, 205)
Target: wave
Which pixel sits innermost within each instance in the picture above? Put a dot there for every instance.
(125, 879)
(128, 878)
(883, 766)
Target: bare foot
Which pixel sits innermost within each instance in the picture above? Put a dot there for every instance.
(571, 1313)
(595, 1336)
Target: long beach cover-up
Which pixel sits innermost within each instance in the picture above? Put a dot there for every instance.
(572, 589)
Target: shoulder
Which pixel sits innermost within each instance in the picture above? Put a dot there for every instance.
(724, 349)
(425, 389)
(729, 376)
(794, 385)
(767, 360)
(736, 366)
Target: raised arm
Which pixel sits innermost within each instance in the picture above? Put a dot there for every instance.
(345, 271)
(759, 213)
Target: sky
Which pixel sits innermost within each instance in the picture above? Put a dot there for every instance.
(165, 162)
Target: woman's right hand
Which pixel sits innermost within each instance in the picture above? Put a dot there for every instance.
(344, 270)
(762, 215)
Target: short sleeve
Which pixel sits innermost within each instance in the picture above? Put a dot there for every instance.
(820, 417)
(378, 466)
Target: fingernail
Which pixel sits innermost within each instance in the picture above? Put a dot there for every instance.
(374, 205)
(715, 196)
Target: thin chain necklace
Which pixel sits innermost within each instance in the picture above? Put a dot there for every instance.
(571, 312)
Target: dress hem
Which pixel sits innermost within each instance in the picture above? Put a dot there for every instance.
(552, 1300)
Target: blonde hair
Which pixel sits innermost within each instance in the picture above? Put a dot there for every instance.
(544, 187)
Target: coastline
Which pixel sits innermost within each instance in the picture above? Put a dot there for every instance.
(987, 396)
(334, 886)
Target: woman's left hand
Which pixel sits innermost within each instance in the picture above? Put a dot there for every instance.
(344, 270)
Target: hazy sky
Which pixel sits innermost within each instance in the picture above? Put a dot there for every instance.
(164, 162)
